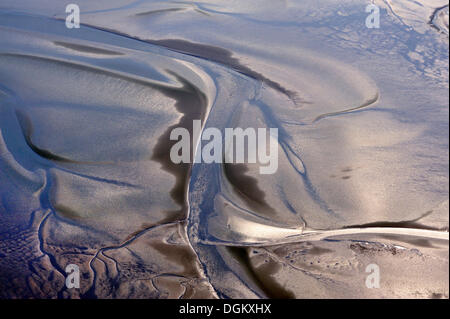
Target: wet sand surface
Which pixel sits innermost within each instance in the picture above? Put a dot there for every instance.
(86, 177)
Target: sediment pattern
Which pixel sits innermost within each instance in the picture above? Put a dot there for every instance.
(86, 177)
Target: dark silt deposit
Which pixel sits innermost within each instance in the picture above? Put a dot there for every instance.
(86, 176)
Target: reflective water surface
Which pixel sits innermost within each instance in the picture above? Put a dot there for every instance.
(86, 177)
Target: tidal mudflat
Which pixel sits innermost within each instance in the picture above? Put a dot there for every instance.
(362, 180)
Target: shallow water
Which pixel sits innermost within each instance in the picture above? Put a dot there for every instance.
(86, 177)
